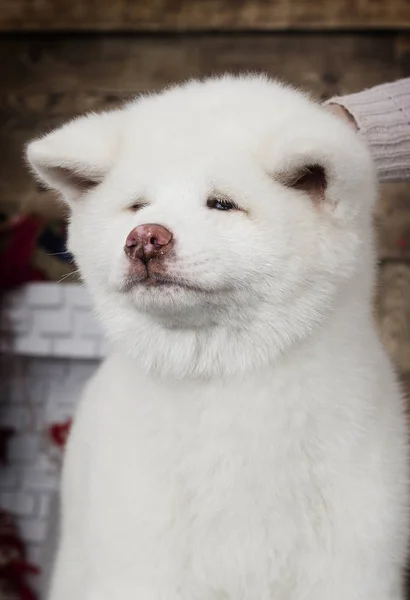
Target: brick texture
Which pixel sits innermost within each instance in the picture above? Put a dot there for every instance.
(59, 345)
(51, 319)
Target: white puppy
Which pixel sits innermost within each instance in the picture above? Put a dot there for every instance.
(246, 440)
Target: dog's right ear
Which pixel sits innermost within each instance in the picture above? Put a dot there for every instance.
(75, 157)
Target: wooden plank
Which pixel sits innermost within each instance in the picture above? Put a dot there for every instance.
(48, 81)
(202, 15)
(324, 64)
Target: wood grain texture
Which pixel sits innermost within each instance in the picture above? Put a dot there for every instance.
(201, 15)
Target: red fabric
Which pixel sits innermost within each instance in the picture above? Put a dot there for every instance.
(13, 565)
(59, 432)
(18, 249)
(5, 434)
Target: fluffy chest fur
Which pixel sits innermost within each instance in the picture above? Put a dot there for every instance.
(237, 488)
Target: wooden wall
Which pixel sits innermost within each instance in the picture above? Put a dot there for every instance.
(202, 15)
(48, 79)
(326, 47)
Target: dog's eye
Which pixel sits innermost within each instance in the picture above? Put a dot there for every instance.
(136, 206)
(221, 204)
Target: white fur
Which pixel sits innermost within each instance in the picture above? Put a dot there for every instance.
(245, 441)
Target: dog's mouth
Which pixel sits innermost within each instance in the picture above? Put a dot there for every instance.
(160, 282)
(156, 280)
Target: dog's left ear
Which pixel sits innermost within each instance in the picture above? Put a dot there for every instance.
(309, 178)
(77, 156)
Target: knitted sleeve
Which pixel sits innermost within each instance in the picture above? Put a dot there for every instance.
(382, 115)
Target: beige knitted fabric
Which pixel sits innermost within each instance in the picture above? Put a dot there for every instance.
(382, 115)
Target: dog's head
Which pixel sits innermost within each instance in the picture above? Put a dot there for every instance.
(216, 224)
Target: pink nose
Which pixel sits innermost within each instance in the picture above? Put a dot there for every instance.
(147, 242)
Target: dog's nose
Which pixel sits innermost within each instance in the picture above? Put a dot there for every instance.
(148, 241)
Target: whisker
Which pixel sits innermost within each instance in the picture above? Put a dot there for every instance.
(71, 274)
(57, 253)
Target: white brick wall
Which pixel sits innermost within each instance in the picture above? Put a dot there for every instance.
(18, 503)
(40, 392)
(51, 319)
(59, 345)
